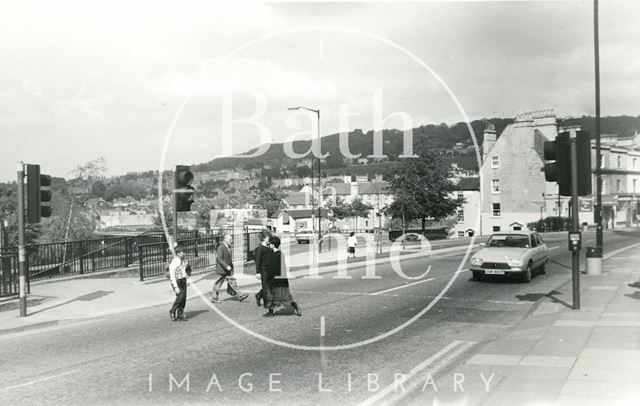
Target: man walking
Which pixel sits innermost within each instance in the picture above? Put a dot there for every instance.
(178, 278)
(224, 269)
(261, 259)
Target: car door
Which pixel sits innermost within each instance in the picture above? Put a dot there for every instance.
(544, 250)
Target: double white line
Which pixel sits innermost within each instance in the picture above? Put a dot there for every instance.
(416, 377)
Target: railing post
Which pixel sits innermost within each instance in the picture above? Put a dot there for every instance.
(81, 258)
(140, 263)
(126, 252)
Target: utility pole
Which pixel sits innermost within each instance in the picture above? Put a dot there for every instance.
(22, 262)
(598, 209)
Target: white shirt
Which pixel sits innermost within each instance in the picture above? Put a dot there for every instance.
(352, 241)
(177, 270)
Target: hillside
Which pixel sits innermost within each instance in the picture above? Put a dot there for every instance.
(426, 136)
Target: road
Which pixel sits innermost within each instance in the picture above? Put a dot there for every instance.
(131, 357)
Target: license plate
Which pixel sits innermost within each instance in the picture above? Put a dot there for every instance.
(494, 272)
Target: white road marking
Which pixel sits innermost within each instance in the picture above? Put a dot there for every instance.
(449, 353)
(322, 326)
(553, 248)
(401, 287)
(38, 380)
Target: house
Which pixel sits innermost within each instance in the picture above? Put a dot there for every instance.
(290, 220)
(513, 190)
(467, 216)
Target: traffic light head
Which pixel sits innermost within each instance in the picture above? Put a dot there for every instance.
(38, 195)
(558, 167)
(183, 191)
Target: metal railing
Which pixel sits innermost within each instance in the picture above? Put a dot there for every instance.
(9, 282)
(200, 252)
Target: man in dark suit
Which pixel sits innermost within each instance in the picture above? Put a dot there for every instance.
(224, 270)
(262, 266)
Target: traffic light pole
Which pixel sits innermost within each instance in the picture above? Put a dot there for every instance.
(575, 253)
(175, 212)
(598, 209)
(22, 263)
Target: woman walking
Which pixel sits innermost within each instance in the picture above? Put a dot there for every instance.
(277, 280)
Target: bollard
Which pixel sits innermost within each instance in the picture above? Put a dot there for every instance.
(594, 261)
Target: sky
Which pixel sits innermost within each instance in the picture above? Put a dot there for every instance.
(153, 84)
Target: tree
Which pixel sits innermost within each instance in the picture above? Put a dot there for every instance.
(272, 200)
(98, 189)
(359, 209)
(422, 190)
(91, 170)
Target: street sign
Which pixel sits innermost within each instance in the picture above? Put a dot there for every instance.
(586, 204)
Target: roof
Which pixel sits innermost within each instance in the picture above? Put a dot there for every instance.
(468, 184)
(304, 213)
(340, 188)
(372, 188)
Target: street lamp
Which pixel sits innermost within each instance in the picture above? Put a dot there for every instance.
(319, 174)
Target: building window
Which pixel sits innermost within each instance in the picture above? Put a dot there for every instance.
(496, 209)
(460, 234)
(618, 186)
(495, 161)
(619, 161)
(460, 195)
(496, 228)
(495, 185)
(634, 186)
(470, 233)
(460, 215)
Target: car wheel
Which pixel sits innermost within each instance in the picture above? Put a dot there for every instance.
(477, 275)
(542, 269)
(526, 275)
(299, 242)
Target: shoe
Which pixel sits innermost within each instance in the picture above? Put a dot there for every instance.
(172, 315)
(243, 297)
(215, 299)
(297, 309)
(269, 314)
(258, 300)
(182, 317)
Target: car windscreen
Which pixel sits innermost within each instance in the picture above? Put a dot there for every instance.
(510, 240)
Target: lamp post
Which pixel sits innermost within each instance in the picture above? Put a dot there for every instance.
(319, 174)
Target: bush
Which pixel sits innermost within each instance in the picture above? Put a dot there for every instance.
(549, 224)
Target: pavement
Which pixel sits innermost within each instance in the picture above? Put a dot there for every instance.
(557, 355)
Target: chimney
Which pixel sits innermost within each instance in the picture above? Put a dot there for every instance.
(354, 190)
(489, 140)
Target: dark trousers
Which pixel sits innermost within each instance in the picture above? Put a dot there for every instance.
(265, 292)
(232, 285)
(181, 298)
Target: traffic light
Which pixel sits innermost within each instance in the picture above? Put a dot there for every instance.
(37, 197)
(183, 191)
(583, 153)
(560, 170)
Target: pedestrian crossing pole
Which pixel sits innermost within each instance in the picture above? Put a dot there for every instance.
(576, 240)
(22, 263)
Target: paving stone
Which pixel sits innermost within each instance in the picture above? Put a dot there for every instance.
(616, 374)
(573, 400)
(506, 398)
(494, 359)
(516, 346)
(548, 361)
(518, 384)
(615, 390)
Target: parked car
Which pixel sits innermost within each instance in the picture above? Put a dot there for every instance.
(411, 240)
(305, 236)
(511, 253)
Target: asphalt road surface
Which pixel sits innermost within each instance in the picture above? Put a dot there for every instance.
(141, 357)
